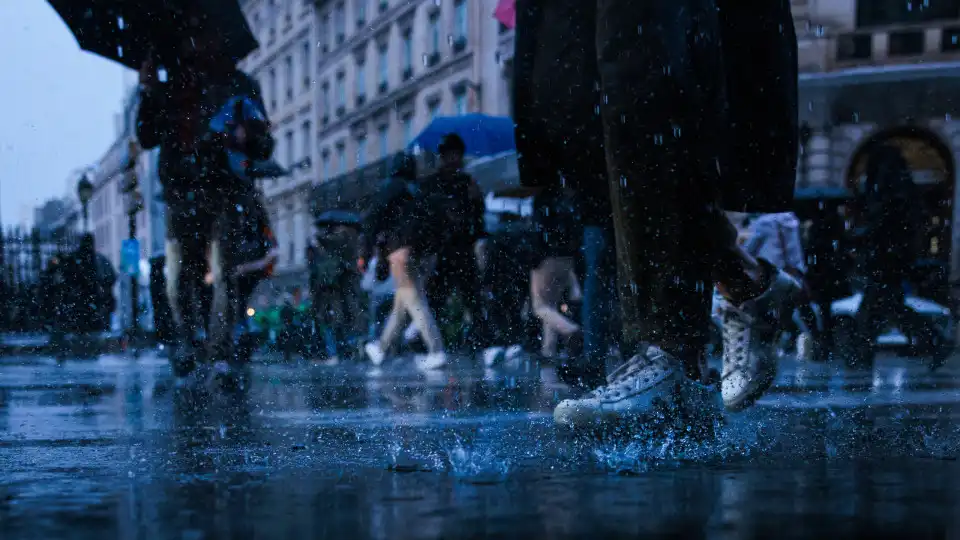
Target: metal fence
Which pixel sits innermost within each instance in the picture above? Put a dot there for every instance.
(24, 255)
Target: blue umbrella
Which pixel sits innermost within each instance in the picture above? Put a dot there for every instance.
(483, 135)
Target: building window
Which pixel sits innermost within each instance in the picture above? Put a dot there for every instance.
(435, 32)
(326, 99)
(907, 43)
(854, 47)
(325, 33)
(408, 50)
(383, 134)
(361, 151)
(341, 90)
(874, 13)
(305, 132)
(361, 79)
(407, 130)
(340, 23)
(288, 148)
(382, 65)
(288, 65)
(325, 165)
(272, 17)
(273, 89)
(305, 66)
(460, 19)
(434, 109)
(460, 103)
(950, 40)
(341, 159)
(361, 12)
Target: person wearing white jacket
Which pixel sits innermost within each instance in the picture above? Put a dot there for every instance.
(776, 238)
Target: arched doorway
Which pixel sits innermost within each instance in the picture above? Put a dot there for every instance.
(933, 172)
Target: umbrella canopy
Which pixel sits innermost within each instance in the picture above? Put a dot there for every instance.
(483, 135)
(506, 13)
(266, 169)
(125, 31)
(339, 217)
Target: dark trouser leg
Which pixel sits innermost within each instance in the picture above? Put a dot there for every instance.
(598, 284)
(663, 102)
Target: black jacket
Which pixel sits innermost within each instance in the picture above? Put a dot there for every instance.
(458, 210)
(558, 131)
(157, 126)
(399, 216)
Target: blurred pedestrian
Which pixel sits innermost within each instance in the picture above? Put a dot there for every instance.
(457, 269)
(174, 116)
(404, 215)
(891, 242)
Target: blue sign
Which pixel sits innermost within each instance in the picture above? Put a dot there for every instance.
(130, 257)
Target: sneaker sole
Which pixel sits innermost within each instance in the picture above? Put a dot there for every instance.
(568, 415)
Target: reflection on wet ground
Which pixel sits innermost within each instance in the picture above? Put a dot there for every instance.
(113, 449)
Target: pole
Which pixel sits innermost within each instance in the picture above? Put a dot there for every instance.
(135, 203)
(134, 285)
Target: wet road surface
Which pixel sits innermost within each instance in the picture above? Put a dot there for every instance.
(111, 448)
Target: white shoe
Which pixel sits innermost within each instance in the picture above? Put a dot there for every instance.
(749, 343)
(493, 356)
(374, 352)
(633, 391)
(805, 347)
(513, 352)
(431, 361)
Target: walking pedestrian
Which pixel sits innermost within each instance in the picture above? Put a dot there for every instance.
(457, 269)
(174, 116)
(405, 216)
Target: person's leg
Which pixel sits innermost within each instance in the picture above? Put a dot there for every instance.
(661, 115)
(418, 307)
(224, 307)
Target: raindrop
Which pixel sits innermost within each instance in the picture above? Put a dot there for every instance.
(119, 51)
(121, 24)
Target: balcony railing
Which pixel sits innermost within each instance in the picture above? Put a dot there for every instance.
(877, 47)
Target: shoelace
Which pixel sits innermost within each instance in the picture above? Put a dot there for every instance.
(622, 378)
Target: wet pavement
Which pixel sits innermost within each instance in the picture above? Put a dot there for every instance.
(111, 448)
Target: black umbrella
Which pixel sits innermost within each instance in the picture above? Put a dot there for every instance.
(338, 217)
(127, 30)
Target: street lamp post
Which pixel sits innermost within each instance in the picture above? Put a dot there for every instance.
(85, 193)
(134, 205)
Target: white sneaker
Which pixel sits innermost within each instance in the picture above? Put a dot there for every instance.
(493, 356)
(633, 390)
(513, 353)
(805, 347)
(431, 361)
(374, 352)
(749, 343)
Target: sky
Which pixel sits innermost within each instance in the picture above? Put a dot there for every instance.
(58, 106)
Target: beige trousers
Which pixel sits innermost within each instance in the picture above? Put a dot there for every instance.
(410, 302)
